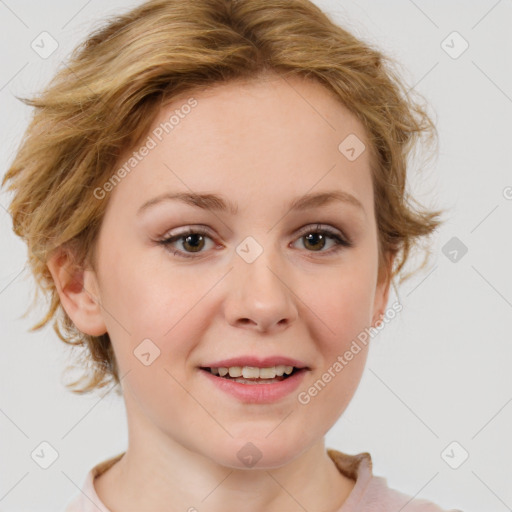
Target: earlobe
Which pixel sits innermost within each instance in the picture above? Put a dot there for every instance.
(79, 293)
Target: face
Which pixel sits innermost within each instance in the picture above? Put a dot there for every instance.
(201, 285)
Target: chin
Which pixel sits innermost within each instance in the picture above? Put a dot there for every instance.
(260, 452)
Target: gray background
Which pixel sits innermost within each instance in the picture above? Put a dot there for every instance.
(438, 373)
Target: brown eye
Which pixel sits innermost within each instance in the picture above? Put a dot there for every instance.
(191, 241)
(195, 241)
(315, 241)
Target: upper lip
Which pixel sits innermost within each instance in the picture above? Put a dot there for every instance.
(266, 362)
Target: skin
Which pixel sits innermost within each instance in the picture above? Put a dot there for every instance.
(184, 434)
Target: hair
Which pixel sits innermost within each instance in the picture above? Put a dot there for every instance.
(106, 97)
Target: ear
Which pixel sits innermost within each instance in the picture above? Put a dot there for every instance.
(382, 291)
(78, 290)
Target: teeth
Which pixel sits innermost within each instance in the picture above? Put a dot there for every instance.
(252, 372)
(235, 371)
(266, 373)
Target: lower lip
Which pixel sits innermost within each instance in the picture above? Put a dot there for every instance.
(257, 393)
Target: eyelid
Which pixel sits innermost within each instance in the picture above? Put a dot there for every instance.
(204, 230)
(323, 227)
(195, 228)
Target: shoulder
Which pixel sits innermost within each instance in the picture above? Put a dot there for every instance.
(87, 499)
(371, 493)
(380, 497)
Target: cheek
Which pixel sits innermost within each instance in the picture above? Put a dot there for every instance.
(342, 304)
(138, 290)
(132, 301)
(340, 316)
(344, 354)
(143, 303)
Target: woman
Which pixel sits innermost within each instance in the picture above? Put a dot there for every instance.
(213, 194)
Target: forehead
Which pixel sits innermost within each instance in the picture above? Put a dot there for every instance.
(273, 137)
(271, 101)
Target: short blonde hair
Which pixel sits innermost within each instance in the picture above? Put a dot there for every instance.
(106, 97)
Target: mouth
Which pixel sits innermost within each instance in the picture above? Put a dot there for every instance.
(253, 374)
(260, 383)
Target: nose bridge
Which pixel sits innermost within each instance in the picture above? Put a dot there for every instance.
(259, 261)
(259, 290)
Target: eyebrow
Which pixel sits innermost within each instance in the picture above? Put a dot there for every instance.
(215, 202)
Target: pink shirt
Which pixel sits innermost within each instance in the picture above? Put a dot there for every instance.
(370, 493)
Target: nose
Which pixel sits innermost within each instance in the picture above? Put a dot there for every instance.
(260, 295)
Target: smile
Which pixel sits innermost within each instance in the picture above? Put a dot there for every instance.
(253, 374)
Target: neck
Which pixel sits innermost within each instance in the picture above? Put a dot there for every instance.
(146, 478)
(165, 472)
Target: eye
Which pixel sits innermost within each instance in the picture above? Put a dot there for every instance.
(316, 237)
(194, 240)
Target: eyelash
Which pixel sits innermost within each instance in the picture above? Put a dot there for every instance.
(340, 242)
